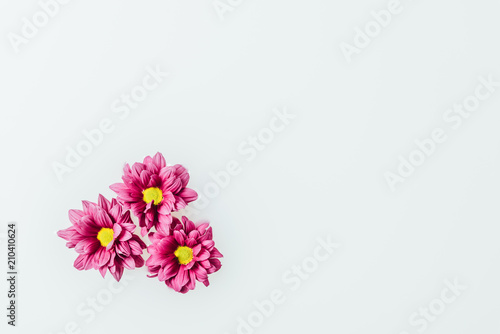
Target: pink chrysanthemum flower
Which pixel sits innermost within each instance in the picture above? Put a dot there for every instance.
(183, 255)
(104, 237)
(152, 190)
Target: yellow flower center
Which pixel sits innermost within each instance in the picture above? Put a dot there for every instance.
(153, 194)
(184, 254)
(105, 236)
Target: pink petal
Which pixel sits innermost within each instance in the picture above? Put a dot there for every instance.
(159, 160)
(145, 177)
(201, 273)
(215, 253)
(117, 229)
(118, 273)
(194, 234)
(188, 195)
(103, 202)
(163, 228)
(139, 261)
(119, 188)
(123, 248)
(190, 242)
(202, 228)
(87, 227)
(180, 279)
(196, 249)
(179, 203)
(135, 247)
(126, 235)
(137, 168)
(103, 270)
(67, 233)
(174, 187)
(75, 216)
(208, 244)
(88, 207)
(189, 225)
(87, 246)
(102, 219)
(129, 263)
(164, 209)
(170, 270)
(192, 281)
(205, 264)
(216, 265)
(80, 261)
(101, 257)
(203, 255)
(179, 238)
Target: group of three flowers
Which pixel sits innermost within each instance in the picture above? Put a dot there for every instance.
(103, 232)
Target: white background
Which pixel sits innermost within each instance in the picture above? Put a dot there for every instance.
(323, 175)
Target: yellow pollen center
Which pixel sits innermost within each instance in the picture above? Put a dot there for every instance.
(184, 254)
(105, 236)
(152, 194)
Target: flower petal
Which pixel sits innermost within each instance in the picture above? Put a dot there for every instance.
(75, 216)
